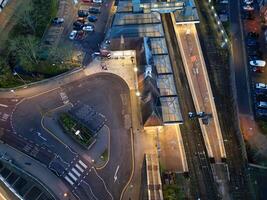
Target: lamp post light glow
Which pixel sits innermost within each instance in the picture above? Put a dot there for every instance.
(138, 93)
(135, 69)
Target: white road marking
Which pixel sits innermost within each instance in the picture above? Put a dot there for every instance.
(72, 176)
(3, 105)
(82, 164)
(76, 172)
(79, 168)
(67, 179)
(116, 173)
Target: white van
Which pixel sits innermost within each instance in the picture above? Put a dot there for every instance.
(262, 104)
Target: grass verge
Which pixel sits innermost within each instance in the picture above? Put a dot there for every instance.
(70, 125)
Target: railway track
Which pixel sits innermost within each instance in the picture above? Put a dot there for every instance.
(200, 173)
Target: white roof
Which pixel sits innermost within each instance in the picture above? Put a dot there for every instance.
(257, 63)
(261, 86)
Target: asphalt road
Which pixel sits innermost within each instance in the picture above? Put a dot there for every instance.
(108, 95)
(239, 60)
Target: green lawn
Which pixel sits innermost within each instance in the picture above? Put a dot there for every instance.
(172, 192)
(71, 125)
(104, 156)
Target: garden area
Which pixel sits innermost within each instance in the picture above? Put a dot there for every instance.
(23, 57)
(76, 130)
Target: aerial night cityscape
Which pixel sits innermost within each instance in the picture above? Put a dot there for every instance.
(133, 100)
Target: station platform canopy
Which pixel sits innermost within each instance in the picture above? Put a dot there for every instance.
(184, 10)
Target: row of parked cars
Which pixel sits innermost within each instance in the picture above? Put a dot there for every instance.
(84, 21)
(256, 62)
(261, 99)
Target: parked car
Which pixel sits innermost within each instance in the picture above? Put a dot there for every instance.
(248, 7)
(251, 42)
(83, 13)
(261, 104)
(58, 20)
(249, 15)
(80, 35)
(73, 35)
(248, 1)
(257, 63)
(261, 112)
(254, 52)
(77, 25)
(89, 28)
(258, 69)
(92, 18)
(261, 97)
(251, 58)
(253, 35)
(97, 1)
(261, 86)
(94, 10)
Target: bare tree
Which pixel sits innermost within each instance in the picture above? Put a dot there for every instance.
(27, 50)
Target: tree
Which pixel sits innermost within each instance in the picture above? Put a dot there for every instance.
(26, 49)
(59, 54)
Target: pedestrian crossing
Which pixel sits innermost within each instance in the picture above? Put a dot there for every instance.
(75, 172)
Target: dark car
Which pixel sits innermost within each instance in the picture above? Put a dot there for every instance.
(259, 92)
(253, 35)
(252, 42)
(261, 113)
(261, 97)
(57, 20)
(92, 18)
(251, 58)
(77, 25)
(83, 13)
(94, 10)
(254, 52)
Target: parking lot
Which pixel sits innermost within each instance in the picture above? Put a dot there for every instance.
(88, 27)
(256, 56)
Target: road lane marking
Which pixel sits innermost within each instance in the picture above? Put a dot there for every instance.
(103, 183)
(3, 105)
(116, 173)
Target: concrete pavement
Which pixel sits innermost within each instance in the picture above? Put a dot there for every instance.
(200, 87)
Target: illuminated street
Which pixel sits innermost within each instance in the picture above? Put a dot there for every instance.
(128, 100)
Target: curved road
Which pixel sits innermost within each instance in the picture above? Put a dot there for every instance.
(107, 94)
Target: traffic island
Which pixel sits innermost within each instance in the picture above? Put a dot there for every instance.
(76, 130)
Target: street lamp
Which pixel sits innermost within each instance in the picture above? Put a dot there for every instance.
(138, 93)
(16, 74)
